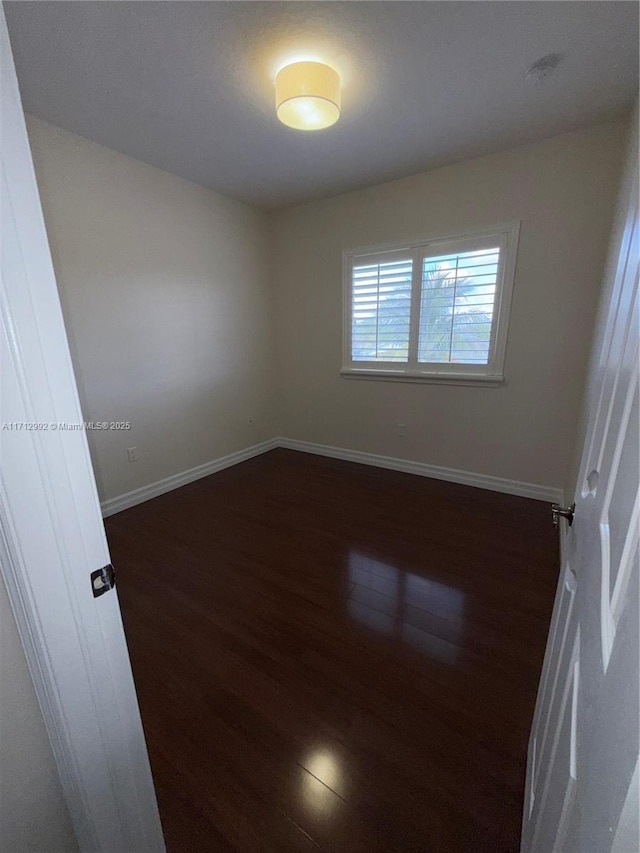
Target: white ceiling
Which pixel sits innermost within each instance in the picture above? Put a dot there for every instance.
(187, 86)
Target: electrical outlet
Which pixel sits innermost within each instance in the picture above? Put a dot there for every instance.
(132, 454)
(402, 429)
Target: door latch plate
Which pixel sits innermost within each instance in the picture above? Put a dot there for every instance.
(102, 580)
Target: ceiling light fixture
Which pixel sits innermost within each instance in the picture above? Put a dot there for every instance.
(308, 95)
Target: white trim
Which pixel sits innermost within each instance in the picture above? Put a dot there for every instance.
(428, 378)
(419, 242)
(436, 472)
(160, 487)
(422, 469)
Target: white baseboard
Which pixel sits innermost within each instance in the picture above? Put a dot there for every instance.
(145, 493)
(451, 475)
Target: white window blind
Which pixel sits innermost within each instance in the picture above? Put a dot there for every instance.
(456, 307)
(381, 310)
(432, 310)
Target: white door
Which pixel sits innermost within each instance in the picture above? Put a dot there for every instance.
(581, 792)
(51, 532)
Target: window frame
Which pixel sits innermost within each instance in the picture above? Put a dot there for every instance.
(489, 375)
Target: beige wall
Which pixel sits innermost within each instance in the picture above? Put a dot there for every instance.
(34, 815)
(563, 192)
(179, 302)
(164, 288)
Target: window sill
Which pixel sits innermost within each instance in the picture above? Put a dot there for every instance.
(429, 378)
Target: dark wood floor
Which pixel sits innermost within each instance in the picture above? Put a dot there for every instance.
(334, 657)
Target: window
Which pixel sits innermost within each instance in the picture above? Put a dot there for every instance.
(430, 311)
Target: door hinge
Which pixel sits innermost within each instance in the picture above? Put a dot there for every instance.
(102, 580)
(567, 512)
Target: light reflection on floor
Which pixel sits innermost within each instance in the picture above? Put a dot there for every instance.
(320, 782)
(397, 604)
(402, 604)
